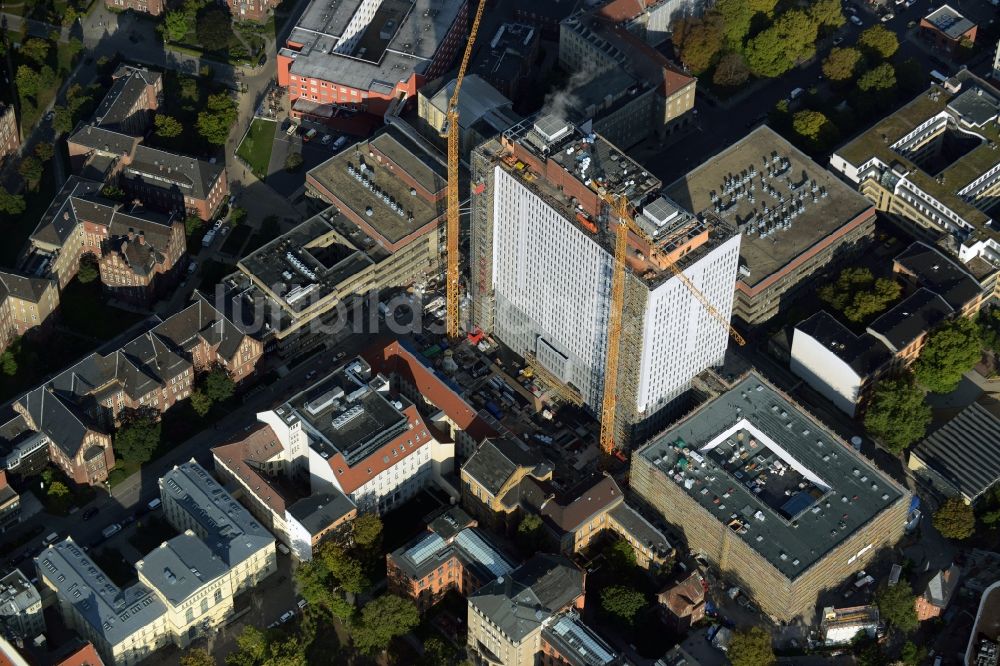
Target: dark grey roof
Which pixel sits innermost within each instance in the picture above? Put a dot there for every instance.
(577, 644)
(740, 453)
(863, 353)
(497, 459)
(942, 586)
(940, 274)
(180, 567)
(57, 419)
(128, 86)
(319, 511)
(640, 529)
(158, 168)
(526, 597)
(910, 318)
(25, 288)
(59, 220)
(975, 106)
(965, 451)
(949, 21)
(451, 522)
(104, 140)
(472, 546)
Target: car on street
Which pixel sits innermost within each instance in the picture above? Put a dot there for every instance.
(326, 139)
(111, 530)
(888, 17)
(89, 513)
(192, 267)
(838, 40)
(232, 200)
(50, 539)
(286, 616)
(301, 603)
(855, 20)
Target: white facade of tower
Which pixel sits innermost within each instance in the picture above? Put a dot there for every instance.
(552, 284)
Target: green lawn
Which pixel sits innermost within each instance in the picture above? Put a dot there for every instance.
(256, 146)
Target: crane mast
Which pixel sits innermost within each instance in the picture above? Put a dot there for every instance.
(619, 205)
(452, 129)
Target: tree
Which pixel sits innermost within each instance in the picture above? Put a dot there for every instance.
(215, 123)
(381, 620)
(114, 193)
(189, 88)
(175, 26)
(200, 402)
(698, 41)
(58, 496)
(912, 654)
(62, 120)
(251, 648)
(193, 223)
(868, 303)
(880, 77)
(841, 64)
(218, 385)
(751, 647)
(167, 127)
(530, 533)
(622, 603)
(736, 16)
(89, 268)
(955, 519)
(438, 653)
(8, 362)
(293, 161)
(11, 204)
(896, 606)
(897, 414)
(138, 436)
(237, 216)
(31, 169)
(197, 657)
(878, 41)
(780, 47)
(951, 351)
(366, 531)
(27, 80)
(827, 13)
(347, 570)
(214, 28)
(620, 556)
(840, 293)
(858, 294)
(35, 49)
(812, 126)
(44, 151)
(731, 71)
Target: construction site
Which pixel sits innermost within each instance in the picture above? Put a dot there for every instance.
(548, 208)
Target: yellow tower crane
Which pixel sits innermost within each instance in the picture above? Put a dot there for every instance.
(621, 209)
(451, 128)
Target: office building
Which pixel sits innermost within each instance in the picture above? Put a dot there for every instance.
(507, 617)
(511, 59)
(796, 220)
(652, 21)
(20, 608)
(541, 260)
(453, 555)
(482, 112)
(349, 431)
(366, 56)
(630, 92)
(946, 29)
(931, 166)
(770, 496)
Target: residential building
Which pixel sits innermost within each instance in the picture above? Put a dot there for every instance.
(962, 457)
(541, 270)
(511, 60)
(10, 504)
(797, 220)
(256, 466)
(901, 165)
(683, 603)
(841, 626)
(567, 641)
(76, 409)
(492, 477)
(770, 496)
(84, 655)
(938, 593)
(946, 29)
(141, 256)
(26, 303)
(152, 7)
(10, 133)
(453, 555)
(125, 625)
(366, 56)
(135, 94)
(644, 96)
(923, 265)
(507, 617)
(838, 363)
(20, 608)
(23, 452)
(652, 21)
(482, 112)
(193, 500)
(251, 10)
(349, 431)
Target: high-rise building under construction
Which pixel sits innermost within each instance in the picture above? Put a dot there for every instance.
(542, 244)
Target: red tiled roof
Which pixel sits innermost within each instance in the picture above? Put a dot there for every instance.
(352, 478)
(393, 359)
(684, 597)
(85, 656)
(599, 497)
(240, 457)
(621, 10)
(672, 80)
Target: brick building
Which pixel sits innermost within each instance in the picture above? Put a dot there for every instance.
(367, 56)
(10, 133)
(26, 304)
(948, 30)
(151, 7)
(453, 555)
(683, 603)
(251, 10)
(10, 504)
(129, 105)
(78, 408)
(137, 252)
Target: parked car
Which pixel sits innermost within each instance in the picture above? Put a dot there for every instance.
(111, 530)
(855, 20)
(888, 17)
(285, 124)
(286, 616)
(89, 513)
(154, 504)
(341, 140)
(50, 539)
(838, 40)
(326, 139)
(192, 267)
